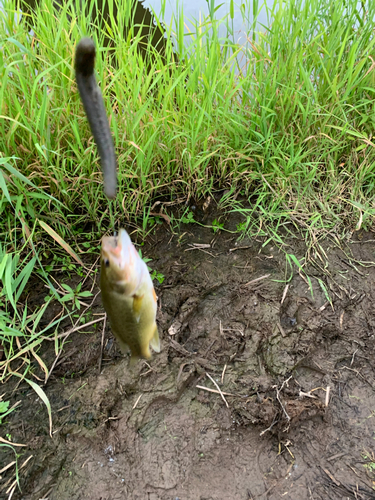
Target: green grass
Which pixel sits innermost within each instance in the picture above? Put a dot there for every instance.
(289, 115)
(285, 119)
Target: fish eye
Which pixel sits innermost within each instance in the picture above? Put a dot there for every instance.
(106, 262)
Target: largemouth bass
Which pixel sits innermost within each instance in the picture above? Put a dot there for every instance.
(128, 296)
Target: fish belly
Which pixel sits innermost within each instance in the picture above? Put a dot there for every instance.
(134, 331)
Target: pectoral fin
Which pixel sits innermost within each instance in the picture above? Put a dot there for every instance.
(137, 305)
(155, 341)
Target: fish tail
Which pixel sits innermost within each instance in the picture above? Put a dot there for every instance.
(143, 353)
(155, 341)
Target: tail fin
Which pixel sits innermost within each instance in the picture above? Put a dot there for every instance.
(155, 341)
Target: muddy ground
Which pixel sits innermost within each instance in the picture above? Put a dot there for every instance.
(297, 414)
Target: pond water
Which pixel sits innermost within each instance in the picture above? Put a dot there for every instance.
(200, 9)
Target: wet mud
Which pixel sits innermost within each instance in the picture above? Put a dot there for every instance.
(262, 389)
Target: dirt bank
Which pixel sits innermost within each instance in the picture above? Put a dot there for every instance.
(224, 314)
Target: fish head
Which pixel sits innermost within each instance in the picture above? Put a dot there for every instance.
(121, 264)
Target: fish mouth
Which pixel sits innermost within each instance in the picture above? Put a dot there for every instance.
(121, 256)
(111, 248)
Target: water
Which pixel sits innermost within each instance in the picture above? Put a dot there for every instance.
(233, 22)
(197, 10)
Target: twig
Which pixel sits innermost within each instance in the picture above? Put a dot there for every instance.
(7, 466)
(208, 349)
(50, 323)
(25, 462)
(284, 293)
(359, 374)
(222, 375)
(307, 395)
(239, 248)
(63, 408)
(335, 457)
(82, 314)
(257, 279)
(218, 388)
(218, 392)
(287, 444)
(89, 273)
(278, 396)
(201, 249)
(282, 406)
(354, 353)
(327, 395)
(112, 418)
(102, 344)
(11, 489)
(198, 245)
(337, 483)
(321, 308)
(2, 440)
(135, 404)
(269, 428)
(341, 319)
(76, 328)
(152, 369)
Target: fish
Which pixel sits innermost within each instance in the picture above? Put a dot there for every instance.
(128, 296)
